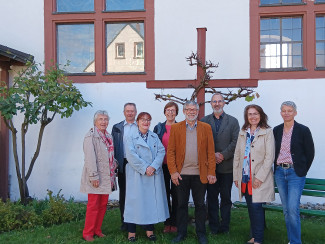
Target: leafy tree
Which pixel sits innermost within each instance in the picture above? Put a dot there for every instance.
(38, 96)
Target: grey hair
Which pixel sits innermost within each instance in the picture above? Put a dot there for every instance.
(218, 94)
(130, 104)
(290, 104)
(191, 102)
(100, 112)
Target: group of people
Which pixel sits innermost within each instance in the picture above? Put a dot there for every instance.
(158, 170)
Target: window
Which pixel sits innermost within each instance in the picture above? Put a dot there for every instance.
(285, 32)
(75, 45)
(98, 39)
(320, 41)
(319, 1)
(117, 5)
(74, 5)
(280, 2)
(281, 43)
(126, 33)
(138, 50)
(120, 50)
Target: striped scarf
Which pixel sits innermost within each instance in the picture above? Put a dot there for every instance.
(110, 148)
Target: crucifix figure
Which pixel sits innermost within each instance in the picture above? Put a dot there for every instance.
(216, 83)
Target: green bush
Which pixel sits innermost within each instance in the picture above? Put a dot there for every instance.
(53, 210)
(58, 212)
(15, 216)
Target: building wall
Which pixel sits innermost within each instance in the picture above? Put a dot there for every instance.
(60, 162)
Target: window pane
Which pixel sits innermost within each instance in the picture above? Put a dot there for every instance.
(320, 60)
(320, 34)
(283, 45)
(320, 48)
(74, 5)
(121, 5)
(320, 1)
(75, 44)
(279, 1)
(131, 35)
(320, 21)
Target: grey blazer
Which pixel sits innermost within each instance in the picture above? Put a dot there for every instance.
(225, 141)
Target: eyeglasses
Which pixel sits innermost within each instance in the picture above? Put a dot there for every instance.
(145, 120)
(171, 111)
(190, 109)
(253, 114)
(217, 101)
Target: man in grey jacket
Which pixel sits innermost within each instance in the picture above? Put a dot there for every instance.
(120, 131)
(225, 129)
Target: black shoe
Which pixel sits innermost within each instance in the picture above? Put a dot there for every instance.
(124, 227)
(203, 239)
(132, 239)
(178, 238)
(152, 238)
(214, 232)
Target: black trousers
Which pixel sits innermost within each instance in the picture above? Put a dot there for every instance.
(133, 227)
(170, 192)
(221, 188)
(191, 182)
(122, 188)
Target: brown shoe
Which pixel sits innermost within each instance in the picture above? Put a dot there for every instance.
(173, 229)
(100, 234)
(88, 238)
(167, 228)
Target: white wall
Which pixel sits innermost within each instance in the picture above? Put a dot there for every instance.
(61, 159)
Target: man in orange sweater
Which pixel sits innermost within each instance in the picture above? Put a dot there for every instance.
(191, 163)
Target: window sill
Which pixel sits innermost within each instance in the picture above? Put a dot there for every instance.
(81, 12)
(124, 73)
(81, 74)
(319, 68)
(282, 70)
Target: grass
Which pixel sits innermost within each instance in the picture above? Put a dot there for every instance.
(313, 231)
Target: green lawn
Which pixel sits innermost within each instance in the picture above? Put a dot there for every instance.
(313, 231)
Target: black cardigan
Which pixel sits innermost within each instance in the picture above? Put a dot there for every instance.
(301, 147)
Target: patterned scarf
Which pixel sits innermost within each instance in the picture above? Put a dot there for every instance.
(110, 148)
(144, 136)
(246, 164)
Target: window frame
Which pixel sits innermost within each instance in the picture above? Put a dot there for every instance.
(136, 50)
(99, 18)
(117, 45)
(308, 12)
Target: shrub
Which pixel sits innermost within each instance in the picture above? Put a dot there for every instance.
(15, 216)
(58, 212)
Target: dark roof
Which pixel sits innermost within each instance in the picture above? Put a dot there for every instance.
(15, 54)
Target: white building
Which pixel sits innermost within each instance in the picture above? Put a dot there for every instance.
(169, 32)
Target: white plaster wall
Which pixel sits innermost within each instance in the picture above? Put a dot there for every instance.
(60, 162)
(227, 37)
(22, 26)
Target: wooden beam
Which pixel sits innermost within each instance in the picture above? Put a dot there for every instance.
(218, 83)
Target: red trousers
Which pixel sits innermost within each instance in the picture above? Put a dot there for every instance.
(96, 209)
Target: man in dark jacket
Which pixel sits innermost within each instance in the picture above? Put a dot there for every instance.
(225, 129)
(120, 131)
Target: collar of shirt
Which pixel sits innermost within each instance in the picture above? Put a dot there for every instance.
(220, 117)
(191, 128)
(144, 136)
(126, 123)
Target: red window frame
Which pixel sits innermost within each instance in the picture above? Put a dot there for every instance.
(308, 11)
(100, 17)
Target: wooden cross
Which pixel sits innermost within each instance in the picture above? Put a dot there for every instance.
(218, 83)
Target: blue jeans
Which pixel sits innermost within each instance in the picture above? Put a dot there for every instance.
(256, 217)
(290, 188)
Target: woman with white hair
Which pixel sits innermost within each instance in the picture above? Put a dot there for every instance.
(98, 176)
(294, 154)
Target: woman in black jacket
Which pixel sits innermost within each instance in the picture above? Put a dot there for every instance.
(163, 132)
(294, 154)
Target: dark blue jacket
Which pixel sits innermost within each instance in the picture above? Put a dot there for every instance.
(160, 130)
(117, 134)
(301, 147)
